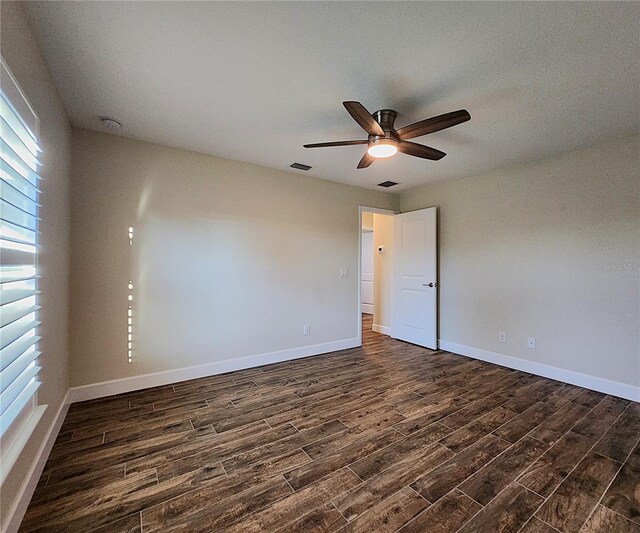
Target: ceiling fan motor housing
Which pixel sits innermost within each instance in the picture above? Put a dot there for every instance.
(386, 118)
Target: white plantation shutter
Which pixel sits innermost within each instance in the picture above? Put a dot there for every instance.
(19, 192)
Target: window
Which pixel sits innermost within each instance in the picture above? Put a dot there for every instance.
(19, 193)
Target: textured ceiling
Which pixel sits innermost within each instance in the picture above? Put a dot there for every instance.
(254, 81)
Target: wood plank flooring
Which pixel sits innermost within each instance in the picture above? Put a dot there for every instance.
(387, 437)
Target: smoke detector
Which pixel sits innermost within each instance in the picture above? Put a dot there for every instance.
(111, 123)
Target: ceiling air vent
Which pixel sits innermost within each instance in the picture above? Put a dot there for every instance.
(387, 184)
(300, 166)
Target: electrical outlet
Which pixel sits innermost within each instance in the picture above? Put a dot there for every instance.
(502, 336)
(307, 330)
(531, 343)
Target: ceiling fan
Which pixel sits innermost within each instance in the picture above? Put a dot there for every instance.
(385, 141)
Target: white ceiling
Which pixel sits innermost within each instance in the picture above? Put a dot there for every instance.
(254, 81)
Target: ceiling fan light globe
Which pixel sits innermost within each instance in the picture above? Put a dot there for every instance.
(382, 149)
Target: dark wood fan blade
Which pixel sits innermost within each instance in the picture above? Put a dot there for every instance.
(430, 125)
(420, 150)
(366, 160)
(336, 143)
(364, 118)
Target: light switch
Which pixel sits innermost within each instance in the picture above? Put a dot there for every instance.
(344, 272)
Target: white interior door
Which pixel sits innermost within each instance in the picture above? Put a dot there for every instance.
(366, 290)
(414, 278)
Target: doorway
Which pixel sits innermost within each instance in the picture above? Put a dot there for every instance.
(397, 274)
(366, 264)
(376, 270)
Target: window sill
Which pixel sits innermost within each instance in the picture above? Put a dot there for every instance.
(12, 453)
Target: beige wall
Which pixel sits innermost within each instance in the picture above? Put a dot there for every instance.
(229, 259)
(383, 270)
(367, 221)
(20, 51)
(536, 251)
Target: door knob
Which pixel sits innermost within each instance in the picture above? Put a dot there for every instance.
(429, 284)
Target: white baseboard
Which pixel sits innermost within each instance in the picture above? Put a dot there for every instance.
(381, 329)
(367, 309)
(144, 381)
(19, 507)
(607, 386)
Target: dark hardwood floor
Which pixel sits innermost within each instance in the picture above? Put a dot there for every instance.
(387, 437)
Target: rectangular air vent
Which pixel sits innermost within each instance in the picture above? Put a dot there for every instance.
(300, 166)
(387, 184)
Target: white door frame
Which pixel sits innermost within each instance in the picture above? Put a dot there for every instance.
(365, 209)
